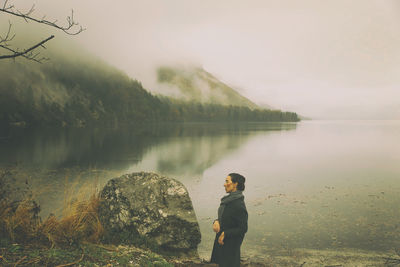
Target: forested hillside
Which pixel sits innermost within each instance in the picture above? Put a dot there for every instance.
(74, 91)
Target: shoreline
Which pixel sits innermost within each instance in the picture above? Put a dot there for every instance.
(32, 251)
(124, 255)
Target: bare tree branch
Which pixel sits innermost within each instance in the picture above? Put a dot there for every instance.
(29, 57)
(7, 38)
(27, 51)
(72, 28)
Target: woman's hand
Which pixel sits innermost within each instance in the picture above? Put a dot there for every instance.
(221, 238)
(216, 226)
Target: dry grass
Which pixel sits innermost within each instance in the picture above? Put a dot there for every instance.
(78, 223)
(20, 222)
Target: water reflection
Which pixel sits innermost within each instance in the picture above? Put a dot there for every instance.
(325, 185)
(311, 185)
(120, 148)
(62, 161)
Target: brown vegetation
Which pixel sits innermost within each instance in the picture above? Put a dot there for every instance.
(80, 223)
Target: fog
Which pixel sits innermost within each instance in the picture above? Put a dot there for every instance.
(322, 59)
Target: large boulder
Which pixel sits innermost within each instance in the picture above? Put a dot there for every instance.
(151, 206)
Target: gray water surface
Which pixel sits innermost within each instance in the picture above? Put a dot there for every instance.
(314, 184)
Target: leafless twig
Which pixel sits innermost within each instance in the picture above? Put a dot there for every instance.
(7, 38)
(27, 53)
(72, 28)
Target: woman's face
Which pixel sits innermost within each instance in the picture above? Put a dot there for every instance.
(229, 186)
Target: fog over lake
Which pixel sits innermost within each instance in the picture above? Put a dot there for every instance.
(322, 191)
(322, 59)
(314, 184)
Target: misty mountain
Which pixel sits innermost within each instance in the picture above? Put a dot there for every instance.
(77, 89)
(196, 84)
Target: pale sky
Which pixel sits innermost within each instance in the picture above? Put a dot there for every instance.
(335, 59)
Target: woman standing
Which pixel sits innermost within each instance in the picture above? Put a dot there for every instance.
(231, 224)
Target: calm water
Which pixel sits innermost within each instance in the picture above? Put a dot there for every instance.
(314, 184)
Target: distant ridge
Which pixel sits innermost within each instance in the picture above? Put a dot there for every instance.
(196, 84)
(78, 89)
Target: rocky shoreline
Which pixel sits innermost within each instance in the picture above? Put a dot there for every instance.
(148, 220)
(122, 255)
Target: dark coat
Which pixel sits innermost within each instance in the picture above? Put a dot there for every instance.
(234, 225)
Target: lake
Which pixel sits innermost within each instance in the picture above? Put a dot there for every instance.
(312, 184)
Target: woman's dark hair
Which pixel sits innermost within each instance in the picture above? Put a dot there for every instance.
(239, 179)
